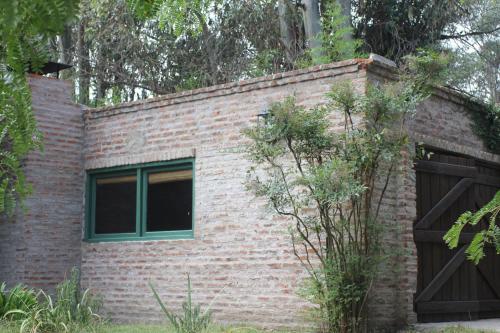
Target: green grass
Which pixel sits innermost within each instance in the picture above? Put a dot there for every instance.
(454, 329)
(8, 328)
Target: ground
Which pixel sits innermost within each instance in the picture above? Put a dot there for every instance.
(148, 329)
(165, 329)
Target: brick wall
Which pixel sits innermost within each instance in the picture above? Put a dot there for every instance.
(238, 246)
(43, 243)
(240, 254)
(443, 121)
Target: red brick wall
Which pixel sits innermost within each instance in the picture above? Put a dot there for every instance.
(240, 253)
(443, 121)
(43, 243)
(239, 247)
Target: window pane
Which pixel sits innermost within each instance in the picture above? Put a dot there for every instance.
(115, 205)
(169, 201)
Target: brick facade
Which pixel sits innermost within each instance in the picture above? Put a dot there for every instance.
(240, 253)
(238, 247)
(44, 242)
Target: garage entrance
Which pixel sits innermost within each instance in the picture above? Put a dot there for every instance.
(449, 287)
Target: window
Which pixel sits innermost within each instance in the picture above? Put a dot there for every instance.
(151, 201)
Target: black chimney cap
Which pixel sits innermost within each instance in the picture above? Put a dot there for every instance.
(50, 67)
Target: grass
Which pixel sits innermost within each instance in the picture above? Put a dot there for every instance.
(454, 329)
(9, 328)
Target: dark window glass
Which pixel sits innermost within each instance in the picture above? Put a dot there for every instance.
(115, 205)
(169, 201)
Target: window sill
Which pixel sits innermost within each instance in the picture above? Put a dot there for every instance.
(153, 236)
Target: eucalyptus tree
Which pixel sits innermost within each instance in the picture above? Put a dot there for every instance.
(475, 45)
(130, 49)
(138, 48)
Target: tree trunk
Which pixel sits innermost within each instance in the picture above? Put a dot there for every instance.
(83, 66)
(65, 44)
(492, 81)
(312, 23)
(345, 5)
(286, 31)
(491, 58)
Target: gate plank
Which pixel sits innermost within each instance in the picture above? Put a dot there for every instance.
(442, 276)
(444, 203)
(489, 280)
(436, 236)
(458, 306)
(446, 169)
(488, 180)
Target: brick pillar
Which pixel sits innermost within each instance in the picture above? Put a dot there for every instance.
(42, 244)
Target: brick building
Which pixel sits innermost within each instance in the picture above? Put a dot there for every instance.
(102, 171)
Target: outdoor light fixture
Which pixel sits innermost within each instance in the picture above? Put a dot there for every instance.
(263, 116)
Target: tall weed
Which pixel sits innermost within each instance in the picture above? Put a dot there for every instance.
(69, 311)
(18, 298)
(192, 320)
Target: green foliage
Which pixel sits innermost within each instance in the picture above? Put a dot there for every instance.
(324, 181)
(487, 126)
(75, 306)
(394, 29)
(39, 313)
(490, 235)
(17, 298)
(144, 48)
(182, 16)
(18, 135)
(335, 35)
(425, 69)
(193, 320)
(476, 57)
(25, 27)
(336, 41)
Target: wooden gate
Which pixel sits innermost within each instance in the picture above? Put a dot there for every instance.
(450, 287)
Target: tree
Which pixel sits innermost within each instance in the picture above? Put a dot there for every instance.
(25, 30)
(324, 182)
(476, 51)
(145, 48)
(490, 235)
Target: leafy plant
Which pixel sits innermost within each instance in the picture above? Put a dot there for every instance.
(487, 126)
(336, 40)
(75, 306)
(46, 317)
(193, 320)
(491, 235)
(25, 28)
(18, 298)
(324, 181)
(69, 311)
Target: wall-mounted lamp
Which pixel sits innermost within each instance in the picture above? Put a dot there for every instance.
(263, 116)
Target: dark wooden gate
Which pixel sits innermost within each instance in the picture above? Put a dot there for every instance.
(450, 287)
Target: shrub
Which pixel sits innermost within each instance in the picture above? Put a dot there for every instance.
(193, 320)
(69, 311)
(331, 184)
(18, 298)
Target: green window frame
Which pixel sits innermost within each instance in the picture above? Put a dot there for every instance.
(141, 171)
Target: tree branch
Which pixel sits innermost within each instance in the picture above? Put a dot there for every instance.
(468, 34)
